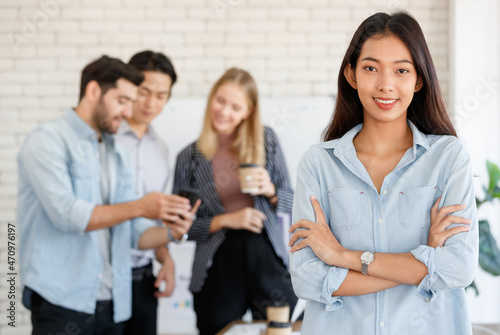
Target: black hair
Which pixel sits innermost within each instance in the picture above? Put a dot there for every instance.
(106, 71)
(155, 62)
(427, 110)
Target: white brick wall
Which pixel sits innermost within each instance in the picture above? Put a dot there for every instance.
(292, 47)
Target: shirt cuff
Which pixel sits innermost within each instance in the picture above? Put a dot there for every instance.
(334, 278)
(139, 226)
(200, 230)
(80, 215)
(285, 200)
(426, 255)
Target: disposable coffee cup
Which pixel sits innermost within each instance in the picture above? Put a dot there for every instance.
(245, 177)
(279, 328)
(278, 313)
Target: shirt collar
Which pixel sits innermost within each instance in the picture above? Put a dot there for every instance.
(345, 142)
(80, 126)
(419, 138)
(109, 138)
(151, 132)
(83, 129)
(126, 129)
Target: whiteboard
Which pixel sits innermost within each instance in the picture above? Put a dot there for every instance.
(298, 123)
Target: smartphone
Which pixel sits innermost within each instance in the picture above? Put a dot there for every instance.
(191, 194)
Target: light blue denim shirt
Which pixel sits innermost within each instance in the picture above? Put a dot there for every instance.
(395, 221)
(59, 187)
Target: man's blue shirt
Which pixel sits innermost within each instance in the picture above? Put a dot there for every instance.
(59, 187)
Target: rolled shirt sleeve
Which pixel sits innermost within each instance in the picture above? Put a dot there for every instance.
(200, 230)
(139, 226)
(312, 278)
(43, 161)
(184, 169)
(453, 265)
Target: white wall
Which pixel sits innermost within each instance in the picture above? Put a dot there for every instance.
(292, 47)
(475, 35)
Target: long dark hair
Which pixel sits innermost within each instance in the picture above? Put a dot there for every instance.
(427, 110)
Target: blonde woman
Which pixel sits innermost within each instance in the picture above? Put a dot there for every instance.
(241, 259)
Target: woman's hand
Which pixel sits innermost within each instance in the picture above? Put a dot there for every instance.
(316, 235)
(247, 218)
(440, 221)
(260, 178)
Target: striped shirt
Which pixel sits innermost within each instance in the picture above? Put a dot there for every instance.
(193, 170)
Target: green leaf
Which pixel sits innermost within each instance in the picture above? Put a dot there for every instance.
(479, 202)
(487, 195)
(474, 287)
(489, 254)
(496, 193)
(494, 174)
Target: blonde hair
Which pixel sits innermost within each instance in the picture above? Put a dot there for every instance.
(249, 141)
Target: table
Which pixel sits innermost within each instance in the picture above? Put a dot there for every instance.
(486, 329)
(295, 327)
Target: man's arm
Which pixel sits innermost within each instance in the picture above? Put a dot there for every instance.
(163, 255)
(43, 163)
(106, 216)
(166, 274)
(152, 206)
(155, 237)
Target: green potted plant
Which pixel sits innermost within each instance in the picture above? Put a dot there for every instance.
(489, 254)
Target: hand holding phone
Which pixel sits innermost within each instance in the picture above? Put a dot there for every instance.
(182, 226)
(191, 194)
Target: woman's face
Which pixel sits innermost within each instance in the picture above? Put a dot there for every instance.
(228, 108)
(385, 78)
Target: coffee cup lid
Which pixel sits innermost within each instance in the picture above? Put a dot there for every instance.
(248, 165)
(279, 304)
(276, 324)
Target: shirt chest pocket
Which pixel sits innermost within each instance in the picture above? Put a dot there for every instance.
(82, 180)
(347, 208)
(415, 206)
(122, 179)
(79, 170)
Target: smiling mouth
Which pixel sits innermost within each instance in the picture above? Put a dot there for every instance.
(385, 102)
(220, 120)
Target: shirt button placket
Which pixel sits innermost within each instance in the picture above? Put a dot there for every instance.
(380, 220)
